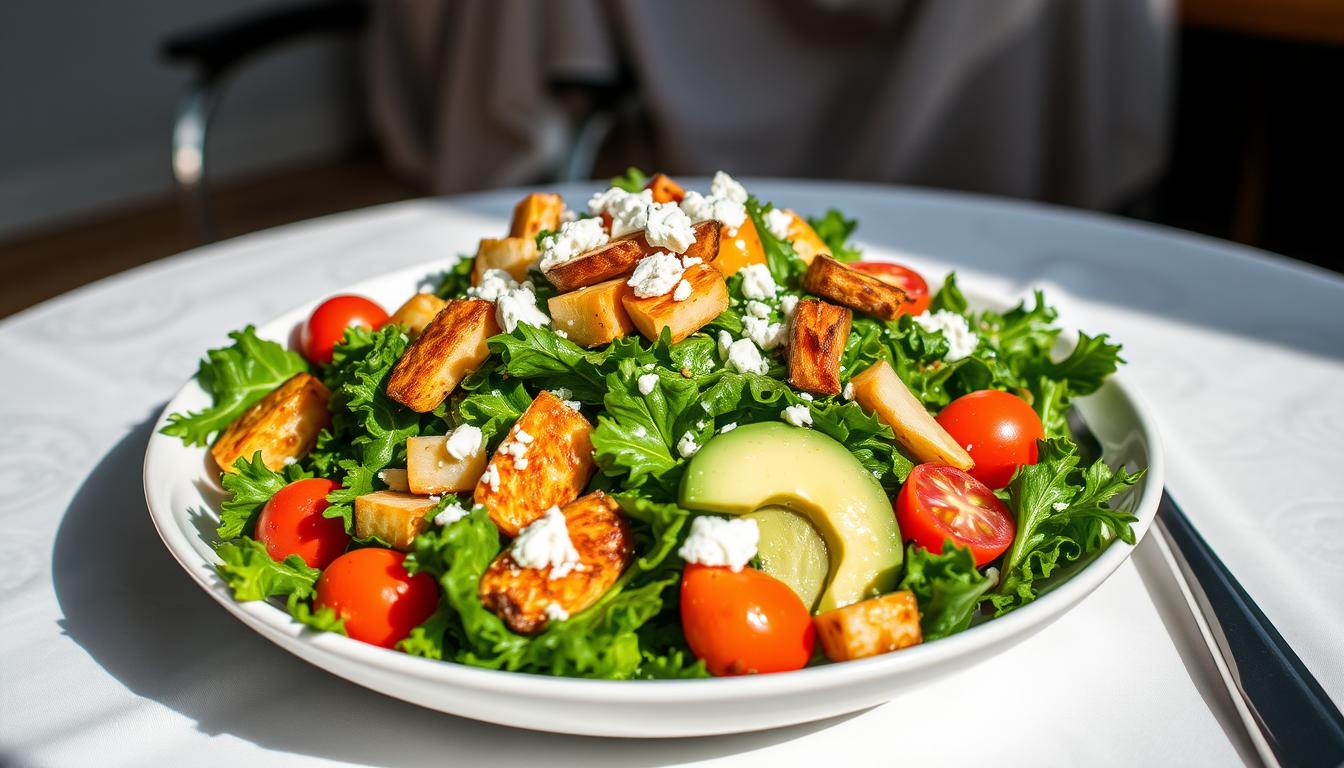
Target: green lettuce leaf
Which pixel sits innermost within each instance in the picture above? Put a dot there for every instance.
(250, 486)
(253, 575)
(947, 587)
(834, 230)
(452, 283)
(785, 265)
(632, 181)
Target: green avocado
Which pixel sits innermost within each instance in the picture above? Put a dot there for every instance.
(768, 468)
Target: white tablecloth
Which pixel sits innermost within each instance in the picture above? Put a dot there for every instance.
(111, 656)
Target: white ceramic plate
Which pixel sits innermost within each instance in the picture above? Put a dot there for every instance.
(183, 494)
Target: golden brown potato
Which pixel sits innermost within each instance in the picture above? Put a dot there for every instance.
(283, 425)
(593, 315)
(806, 242)
(395, 517)
(527, 599)
(619, 257)
(817, 341)
(450, 347)
(534, 213)
(738, 248)
(709, 297)
(417, 313)
(871, 627)
(511, 254)
(430, 469)
(554, 466)
(880, 391)
(664, 189)
(854, 289)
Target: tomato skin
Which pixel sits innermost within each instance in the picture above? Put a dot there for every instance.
(998, 429)
(744, 622)
(291, 523)
(906, 279)
(370, 589)
(325, 327)
(938, 503)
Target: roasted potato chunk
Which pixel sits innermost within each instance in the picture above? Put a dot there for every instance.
(417, 313)
(880, 391)
(708, 298)
(871, 627)
(395, 480)
(511, 254)
(664, 189)
(739, 247)
(817, 341)
(860, 292)
(450, 347)
(619, 257)
(544, 462)
(283, 425)
(593, 315)
(527, 599)
(431, 469)
(806, 242)
(537, 212)
(395, 517)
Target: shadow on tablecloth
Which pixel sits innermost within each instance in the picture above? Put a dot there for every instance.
(130, 606)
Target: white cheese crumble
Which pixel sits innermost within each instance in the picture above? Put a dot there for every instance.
(555, 613)
(806, 396)
(647, 382)
(519, 306)
(729, 427)
(494, 283)
(787, 305)
(463, 442)
(961, 342)
(778, 222)
(1060, 506)
(629, 211)
(450, 514)
(687, 446)
(758, 308)
(717, 541)
(656, 275)
(669, 227)
(731, 213)
(690, 261)
(574, 238)
(766, 334)
(546, 543)
(565, 395)
(797, 415)
(394, 479)
(682, 292)
(725, 341)
(561, 333)
(757, 282)
(848, 391)
(491, 477)
(744, 357)
(992, 574)
(723, 185)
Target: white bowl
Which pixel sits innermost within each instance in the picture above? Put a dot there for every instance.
(183, 495)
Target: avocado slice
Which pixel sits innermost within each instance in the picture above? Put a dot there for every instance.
(792, 551)
(770, 465)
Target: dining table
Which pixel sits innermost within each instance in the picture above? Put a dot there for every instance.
(110, 655)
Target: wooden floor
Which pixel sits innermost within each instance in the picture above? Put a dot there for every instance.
(39, 266)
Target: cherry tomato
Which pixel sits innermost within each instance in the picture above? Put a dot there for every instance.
(744, 622)
(379, 601)
(998, 429)
(291, 523)
(906, 279)
(939, 502)
(325, 327)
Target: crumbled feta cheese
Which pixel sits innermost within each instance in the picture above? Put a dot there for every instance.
(1060, 506)
(394, 479)
(758, 308)
(961, 342)
(450, 514)
(806, 396)
(515, 449)
(522, 435)
(682, 291)
(744, 357)
(992, 574)
(519, 306)
(690, 261)
(687, 446)
(669, 227)
(566, 395)
(561, 333)
(787, 305)
(726, 186)
(546, 543)
(725, 341)
(848, 391)
(656, 275)
(491, 477)
(778, 222)
(629, 211)
(797, 415)
(647, 382)
(463, 442)
(718, 541)
(494, 283)
(731, 213)
(574, 238)
(568, 215)
(555, 613)
(757, 282)
(766, 334)
(729, 427)
(290, 461)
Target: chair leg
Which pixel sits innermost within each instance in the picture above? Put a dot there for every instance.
(190, 130)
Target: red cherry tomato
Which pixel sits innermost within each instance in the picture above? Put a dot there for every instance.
(744, 622)
(291, 523)
(370, 589)
(906, 279)
(325, 327)
(998, 429)
(938, 503)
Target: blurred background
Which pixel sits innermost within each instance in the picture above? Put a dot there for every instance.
(138, 129)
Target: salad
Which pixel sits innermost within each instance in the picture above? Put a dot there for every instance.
(676, 434)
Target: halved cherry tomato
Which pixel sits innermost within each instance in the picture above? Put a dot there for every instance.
(906, 279)
(370, 589)
(998, 429)
(939, 502)
(744, 622)
(664, 189)
(325, 327)
(291, 523)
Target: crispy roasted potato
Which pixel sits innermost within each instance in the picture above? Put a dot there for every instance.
(417, 313)
(450, 347)
(593, 315)
(395, 517)
(283, 425)
(554, 466)
(511, 254)
(664, 189)
(806, 242)
(880, 391)
(709, 297)
(854, 289)
(871, 627)
(534, 213)
(527, 598)
(738, 248)
(619, 257)
(817, 341)
(430, 469)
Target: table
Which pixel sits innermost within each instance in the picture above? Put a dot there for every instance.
(111, 656)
